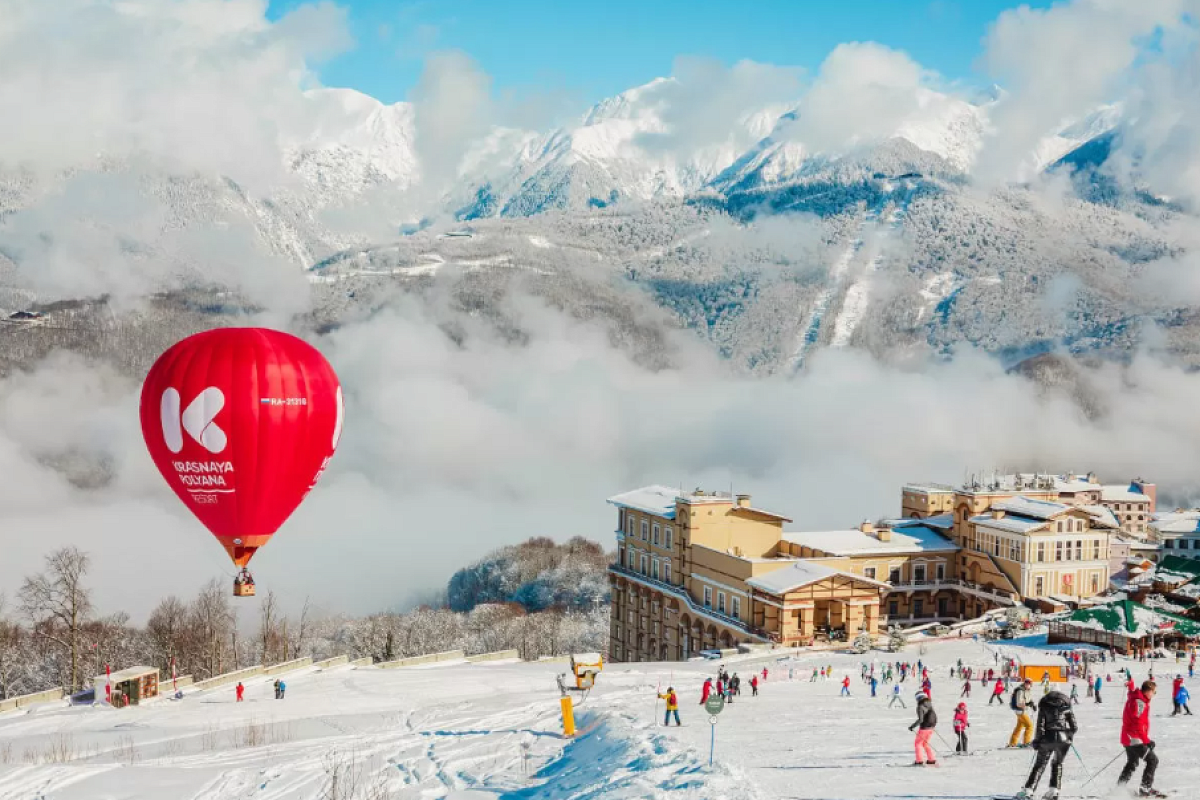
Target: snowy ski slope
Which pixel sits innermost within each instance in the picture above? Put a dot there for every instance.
(492, 731)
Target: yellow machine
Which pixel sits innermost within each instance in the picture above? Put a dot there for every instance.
(585, 667)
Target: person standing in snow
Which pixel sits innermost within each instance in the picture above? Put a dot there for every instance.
(672, 706)
(754, 686)
(1022, 703)
(874, 683)
(1175, 687)
(846, 686)
(960, 727)
(1055, 731)
(1045, 683)
(997, 692)
(706, 690)
(926, 721)
(764, 673)
(896, 698)
(1135, 738)
(282, 689)
(1074, 693)
(240, 690)
(1096, 686)
(1181, 701)
(735, 684)
(276, 684)
(814, 677)
(966, 690)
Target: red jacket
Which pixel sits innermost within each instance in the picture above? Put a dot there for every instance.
(960, 718)
(705, 690)
(999, 687)
(1135, 722)
(846, 681)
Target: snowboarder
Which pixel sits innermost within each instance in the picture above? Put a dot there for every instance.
(240, 691)
(896, 697)
(926, 720)
(1098, 683)
(754, 686)
(1022, 703)
(997, 692)
(1055, 731)
(672, 706)
(1135, 738)
(1181, 701)
(846, 686)
(960, 727)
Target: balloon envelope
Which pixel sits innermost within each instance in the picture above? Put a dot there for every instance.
(241, 422)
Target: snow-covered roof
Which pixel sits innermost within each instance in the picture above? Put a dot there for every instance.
(800, 573)
(1131, 620)
(910, 537)
(1177, 568)
(1029, 507)
(1010, 522)
(1102, 516)
(1122, 493)
(129, 673)
(1177, 522)
(927, 487)
(657, 500)
(943, 522)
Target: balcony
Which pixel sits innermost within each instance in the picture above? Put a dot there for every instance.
(681, 594)
(998, 595)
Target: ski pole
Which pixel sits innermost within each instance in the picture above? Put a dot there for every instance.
(1082, 763)
(1106, 766)
(939, 735)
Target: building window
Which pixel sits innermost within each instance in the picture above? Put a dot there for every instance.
(1079, 549)
(1169, 544)
(918, 573)
(893, 608)
(737, 608)
(869, 572)
(631, 616)
(645, 530)
(1038, 585)
(1183, 544)
(668, 536)
(628, 524)
(632, 555)
(894, 575)
(667, 571)
(721, 602)
(1095, 583)
(1095, 550)
(645, 564)
(940, 571)
(1041, 551)
(657, 534)
(654, 569)
(1058, 551)
(708, 597)
(918, 607)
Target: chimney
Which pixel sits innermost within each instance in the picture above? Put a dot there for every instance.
(1092, 478)
(1070, 477)
(866, 526)
(743, 501)
(997, 513)
(884, 533)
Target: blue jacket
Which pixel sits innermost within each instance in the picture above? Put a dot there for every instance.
(1182, 695)
(1099, 683)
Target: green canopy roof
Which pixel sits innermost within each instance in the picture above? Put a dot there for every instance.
(1178, 567)
(1132, 620)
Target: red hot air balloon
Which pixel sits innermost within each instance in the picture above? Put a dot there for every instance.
(241, 422)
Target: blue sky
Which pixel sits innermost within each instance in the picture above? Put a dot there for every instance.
(592, 50)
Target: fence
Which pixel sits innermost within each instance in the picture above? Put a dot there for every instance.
(288, 666)
(499, 655)
(430, 658)
(21, 701)
(336, 661)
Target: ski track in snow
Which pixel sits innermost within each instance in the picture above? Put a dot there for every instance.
(466, 731)
(856, 297)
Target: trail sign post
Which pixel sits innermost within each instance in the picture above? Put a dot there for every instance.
(714, 706)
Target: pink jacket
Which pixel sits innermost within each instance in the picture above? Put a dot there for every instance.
(960, 719)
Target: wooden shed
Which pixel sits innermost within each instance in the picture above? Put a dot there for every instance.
(129, 686)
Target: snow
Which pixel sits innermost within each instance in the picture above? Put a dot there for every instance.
(907, 539)
(1120, 493)
(657, 500)
(1030, 507)
(483, 733)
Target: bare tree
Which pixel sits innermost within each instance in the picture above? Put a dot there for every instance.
(303, 631)
(167, 628)
(212, 619)
(58, 604)
(268, 621)
(10, 653)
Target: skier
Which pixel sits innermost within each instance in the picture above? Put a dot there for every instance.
(1099, 683)
(1045, 683)
(1074, 693)
(282, 689)
(874, 683)
(846, 686)
(896, 697)
(672, 706)
(706, 690)
(1056, 729)
(960, 727)
(1175, 686)
(276, 684)
(926, 720)
(966, 692)
(240, 691)
(1135, 738)
(1181, 701)
(754, 686)
(814, 677)
(764, 673)
(735, 684)
(1022, 703)
(997, 692)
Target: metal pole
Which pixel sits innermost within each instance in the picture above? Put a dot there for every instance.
(1106, 766)
(712, 745)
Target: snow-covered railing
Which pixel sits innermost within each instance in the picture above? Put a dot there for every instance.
(288, 666)
(429, 658)
(499, 655)
(228, 677)
(336, 661)
(365, 661)
(21, 701)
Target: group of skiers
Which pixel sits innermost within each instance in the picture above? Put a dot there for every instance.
(240, 690)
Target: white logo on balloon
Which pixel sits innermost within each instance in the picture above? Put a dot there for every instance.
(196, 420)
